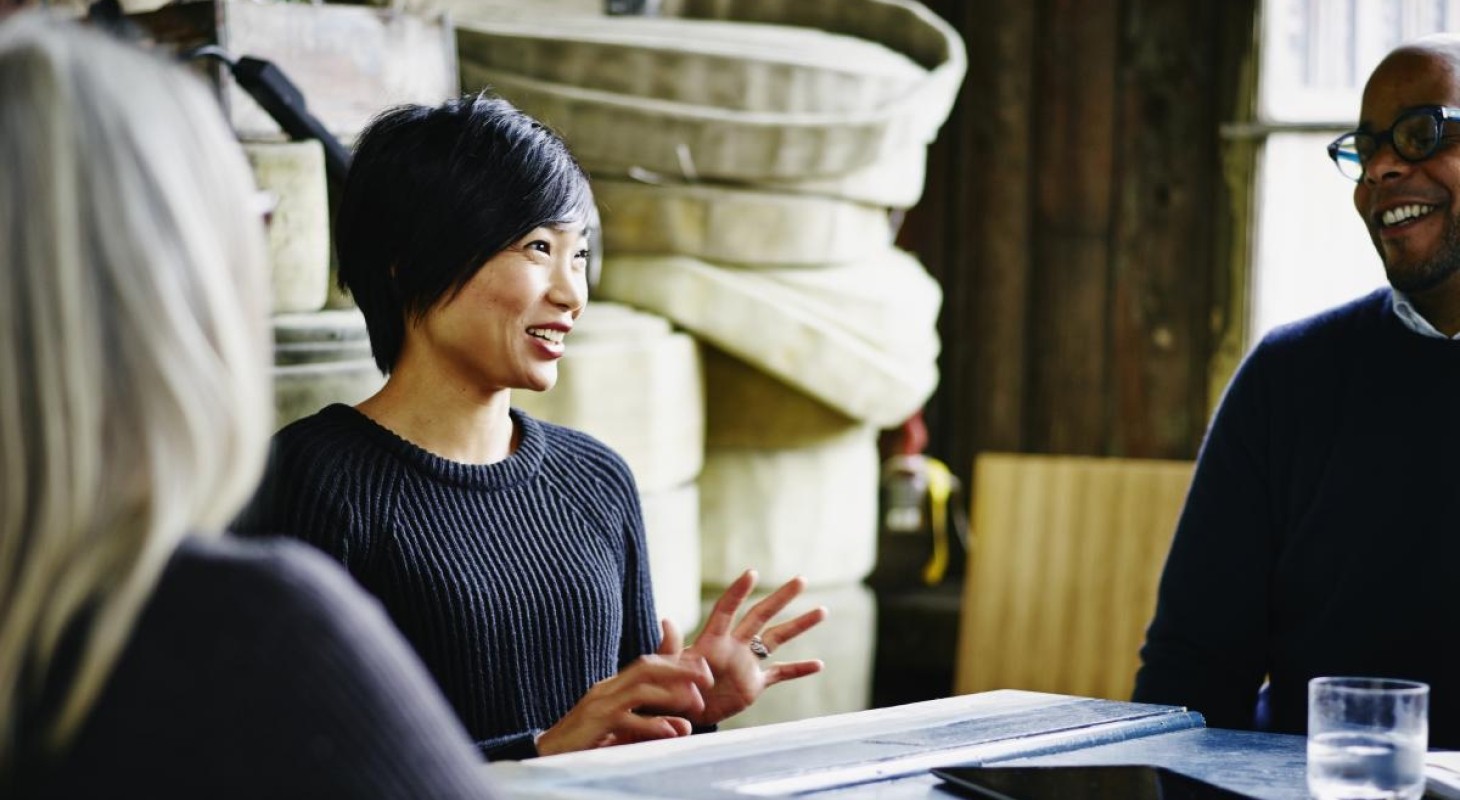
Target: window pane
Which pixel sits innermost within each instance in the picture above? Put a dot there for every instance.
(1312, 250)
(1316, 54)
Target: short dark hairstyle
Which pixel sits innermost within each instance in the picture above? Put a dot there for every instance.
(433, 193)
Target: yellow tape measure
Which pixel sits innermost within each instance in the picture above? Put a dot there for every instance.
(940, 488)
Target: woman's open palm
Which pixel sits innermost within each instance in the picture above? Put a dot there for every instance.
(727, 646)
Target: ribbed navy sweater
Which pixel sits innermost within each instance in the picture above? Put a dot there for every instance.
(1321, 535)
(258, 669)
(520, 583)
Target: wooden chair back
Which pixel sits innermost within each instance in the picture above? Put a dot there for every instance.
(1061, 583)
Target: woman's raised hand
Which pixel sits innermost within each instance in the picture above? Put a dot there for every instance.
(735, 651)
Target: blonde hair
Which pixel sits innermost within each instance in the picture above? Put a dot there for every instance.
(134, 350)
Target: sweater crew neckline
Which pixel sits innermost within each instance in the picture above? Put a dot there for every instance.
(1397, 329)
(524, 463)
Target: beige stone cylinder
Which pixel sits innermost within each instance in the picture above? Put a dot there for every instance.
(861, 336)
(672, 527)
(299, 249)
(320, 358)
(809, 510)
(338, 297)
(737, 226)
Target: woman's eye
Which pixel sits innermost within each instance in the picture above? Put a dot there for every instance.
(540, 246)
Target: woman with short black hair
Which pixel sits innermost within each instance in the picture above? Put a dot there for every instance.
(509, 551)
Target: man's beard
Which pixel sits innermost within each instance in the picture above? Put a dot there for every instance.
(1427, 275)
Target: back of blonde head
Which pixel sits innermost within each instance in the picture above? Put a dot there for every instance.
(133, 350)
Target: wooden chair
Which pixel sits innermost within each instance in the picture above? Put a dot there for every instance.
(1066, 555)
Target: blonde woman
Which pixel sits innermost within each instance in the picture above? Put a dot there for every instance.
(140, 653)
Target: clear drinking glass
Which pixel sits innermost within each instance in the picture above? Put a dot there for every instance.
(1367, 738)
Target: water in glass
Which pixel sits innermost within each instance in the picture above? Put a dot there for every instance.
(1349, 765)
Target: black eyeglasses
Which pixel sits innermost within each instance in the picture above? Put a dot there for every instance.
(1416, 135)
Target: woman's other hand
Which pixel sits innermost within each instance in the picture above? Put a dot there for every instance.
(653, 698)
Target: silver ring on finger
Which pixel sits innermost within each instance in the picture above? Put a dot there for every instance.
(758, 647)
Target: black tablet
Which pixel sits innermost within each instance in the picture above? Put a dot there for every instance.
(1102, 782)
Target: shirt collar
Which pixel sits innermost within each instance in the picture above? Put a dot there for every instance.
(1413, 320)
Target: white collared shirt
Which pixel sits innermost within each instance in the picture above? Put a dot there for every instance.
(1415, 321)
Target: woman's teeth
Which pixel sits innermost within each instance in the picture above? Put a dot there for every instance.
(546, 334)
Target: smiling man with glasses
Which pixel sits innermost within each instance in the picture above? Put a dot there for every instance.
(1321, 535)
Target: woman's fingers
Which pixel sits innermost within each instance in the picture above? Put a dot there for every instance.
(663, 671)
(672, 685)
(681, 726)
(763, 612)
(786, 631)
(655, 698)
(643, 701)
(637, 728)
(792, 670)
(722, 616)
(671, 642)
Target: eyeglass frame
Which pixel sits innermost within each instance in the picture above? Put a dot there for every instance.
(1438, 114)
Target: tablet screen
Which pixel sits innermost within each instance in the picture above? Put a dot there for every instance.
(1134, 782)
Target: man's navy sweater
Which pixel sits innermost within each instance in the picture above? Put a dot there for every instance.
(1321, 535)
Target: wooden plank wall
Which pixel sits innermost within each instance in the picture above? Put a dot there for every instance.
(1072, 214)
